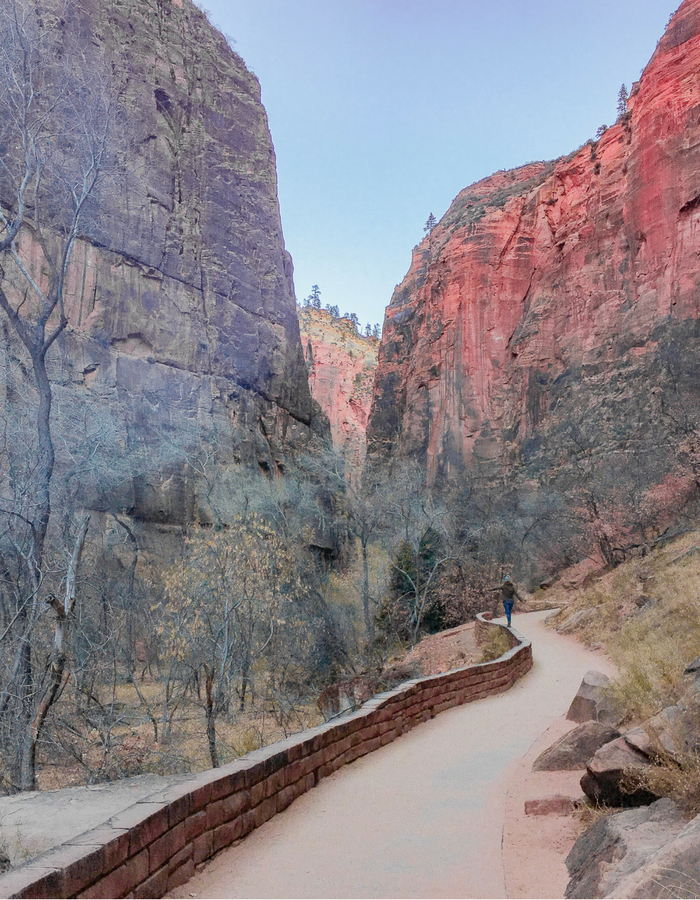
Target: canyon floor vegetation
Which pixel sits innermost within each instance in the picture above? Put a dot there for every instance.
(645, 614)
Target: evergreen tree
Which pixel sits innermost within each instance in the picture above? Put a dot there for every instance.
(377, 331)
(430, 224)
(622, 99)
(315, 297)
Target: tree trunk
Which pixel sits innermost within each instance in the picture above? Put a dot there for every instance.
(57, 666)
(245, 678)
(211, 722)
(369, 619)
(45, 460)
(28, 766)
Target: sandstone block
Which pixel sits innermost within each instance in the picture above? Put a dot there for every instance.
(608, 773)
(196, 825)
(203, 847)
(181, 876)
(226, 834)
(122, 880)
(593, 702)
(145, 822)
(32, 881)
(81, 865)
(249, 821)
(200, 796)
(229, 783)
(166, 846)
(178, 859)
(237, 803)
(265, 811)
(155, 885)
(261, 790)
(573, 750)
(289, 794)
(178, 809)
(216, 814)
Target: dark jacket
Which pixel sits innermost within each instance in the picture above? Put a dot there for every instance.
(508, 590)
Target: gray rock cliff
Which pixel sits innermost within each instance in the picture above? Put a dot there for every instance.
(183, 330)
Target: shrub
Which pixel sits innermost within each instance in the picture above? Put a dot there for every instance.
(676, 777)
(497, 644)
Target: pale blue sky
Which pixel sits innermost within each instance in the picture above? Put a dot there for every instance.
(381, 111)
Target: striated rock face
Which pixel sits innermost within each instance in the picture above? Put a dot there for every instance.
(183, 328)
(559, 298)
(617, 849)
(341, 365)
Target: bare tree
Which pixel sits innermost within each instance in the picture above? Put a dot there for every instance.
(58, 110)
(226, 600)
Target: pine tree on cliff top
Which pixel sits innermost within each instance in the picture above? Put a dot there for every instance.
(622, 99)
(315, 296)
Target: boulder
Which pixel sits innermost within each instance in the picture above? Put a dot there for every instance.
(673, 870)
(607, 776)
(593, 701)
(673, 731)
(615, 847)
(570, 623)
(574, 749)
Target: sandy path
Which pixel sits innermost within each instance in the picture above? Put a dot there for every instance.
(422, 817)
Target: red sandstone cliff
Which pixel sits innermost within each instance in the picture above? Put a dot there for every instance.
(341, 365)
(556, 296)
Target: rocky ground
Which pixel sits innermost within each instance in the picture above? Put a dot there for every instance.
(589, 769)
(446, 650)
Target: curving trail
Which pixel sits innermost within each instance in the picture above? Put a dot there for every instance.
(421, 817)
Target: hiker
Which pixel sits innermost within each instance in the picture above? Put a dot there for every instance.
(508, 591)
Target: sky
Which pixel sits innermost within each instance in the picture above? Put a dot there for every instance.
(381, 111)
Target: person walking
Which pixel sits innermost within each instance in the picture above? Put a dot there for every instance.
(508, 592)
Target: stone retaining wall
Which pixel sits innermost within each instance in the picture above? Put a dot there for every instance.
(154, 845)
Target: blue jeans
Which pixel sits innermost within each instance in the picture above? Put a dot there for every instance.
(508, 604)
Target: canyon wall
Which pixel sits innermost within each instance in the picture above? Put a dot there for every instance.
(183, 347)
(547, 329)
(341, 365)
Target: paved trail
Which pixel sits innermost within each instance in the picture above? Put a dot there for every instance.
(421, 817)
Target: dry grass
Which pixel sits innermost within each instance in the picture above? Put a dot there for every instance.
(646, 615)
(133, 750)
(677, 777)
(495, 646)
(587, 814)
